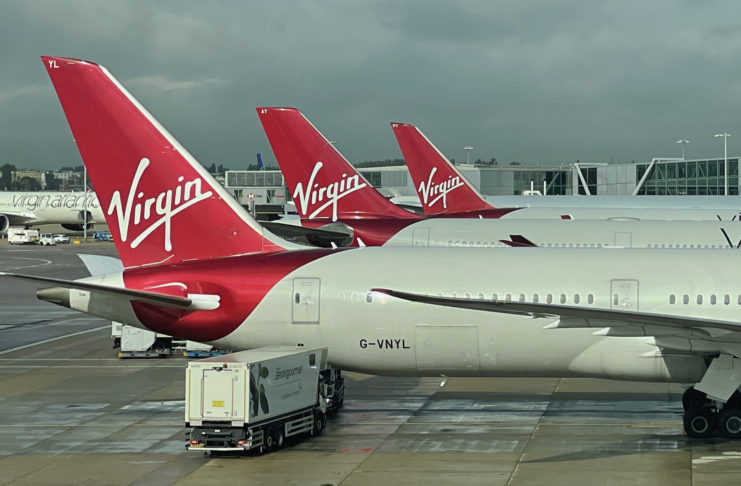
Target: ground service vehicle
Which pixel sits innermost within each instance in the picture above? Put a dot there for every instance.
(102, 236)
(46, 239)
(62, 239)
(22, 236)
(255, 399)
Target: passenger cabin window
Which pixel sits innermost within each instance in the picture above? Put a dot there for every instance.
(672, 299)
(590, 299)
(549, 298)
(563, 298)
(508, 297)
(536, 298)
(726, 299)
(522, 298)
(577, 298)
(686, 299)
(712, 299)
(699, 298)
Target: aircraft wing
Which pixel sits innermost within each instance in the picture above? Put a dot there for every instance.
(18, 218)
(694, 334)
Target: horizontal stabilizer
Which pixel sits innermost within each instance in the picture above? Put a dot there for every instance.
(101, 264)
(138, 295)
(311, 234)
(518, 241)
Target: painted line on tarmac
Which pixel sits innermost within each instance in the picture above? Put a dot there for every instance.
(43, 260)
(148, 424)
(37, 343)
(668, 423)
(34, 367)
(26, 360)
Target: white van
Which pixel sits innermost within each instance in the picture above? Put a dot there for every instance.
(47, 239)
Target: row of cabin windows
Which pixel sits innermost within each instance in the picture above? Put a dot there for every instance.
(713, 299)
(486, 244)
(548, 298)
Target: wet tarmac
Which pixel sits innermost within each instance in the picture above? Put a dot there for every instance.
(72, 413)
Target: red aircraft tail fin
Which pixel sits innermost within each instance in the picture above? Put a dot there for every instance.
(324, 186)
(440, 187)
(160, 204)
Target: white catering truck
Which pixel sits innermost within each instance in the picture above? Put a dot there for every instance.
(22, 236)
(256, 399)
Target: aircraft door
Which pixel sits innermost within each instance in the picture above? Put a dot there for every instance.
(305, 300)
(421, 237)
(624, 295)
(624, 239)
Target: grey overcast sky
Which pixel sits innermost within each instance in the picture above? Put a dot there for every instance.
(534, 81)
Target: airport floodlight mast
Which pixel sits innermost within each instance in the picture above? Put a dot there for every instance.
(84, 203)
(683, 143)
(468, 149)
(725, 158)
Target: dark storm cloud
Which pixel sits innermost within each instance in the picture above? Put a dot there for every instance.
(535, 81)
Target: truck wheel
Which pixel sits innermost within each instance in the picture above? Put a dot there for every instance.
(279, 438)
(319, 422)
(269, 441)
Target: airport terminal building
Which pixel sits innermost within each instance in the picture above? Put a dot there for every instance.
(660, 176)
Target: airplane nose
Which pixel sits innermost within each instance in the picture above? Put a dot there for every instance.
(55, 295)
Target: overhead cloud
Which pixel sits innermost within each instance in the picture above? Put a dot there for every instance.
(537, 81)
(163, 83)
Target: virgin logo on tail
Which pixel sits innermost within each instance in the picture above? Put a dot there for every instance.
(166, 204)
(438, 191)
(325, 195)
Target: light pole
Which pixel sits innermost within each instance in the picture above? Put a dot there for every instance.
(468, 149)
(683, 143)
(725, 158)
(84, 203)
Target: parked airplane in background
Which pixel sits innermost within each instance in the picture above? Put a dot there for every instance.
(552, 233)
(658, 315)
(35, 208)
(341, 207)
(443, 190)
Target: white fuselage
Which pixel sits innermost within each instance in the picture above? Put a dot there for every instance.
(606, 201)
(672, 208)
(328, 302)
(570, 233)
(32, 208)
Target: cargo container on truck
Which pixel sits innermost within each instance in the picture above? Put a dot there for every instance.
(22, 236)
(255, 399)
